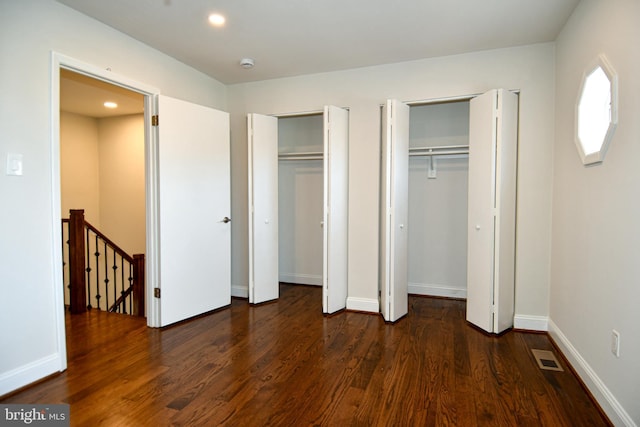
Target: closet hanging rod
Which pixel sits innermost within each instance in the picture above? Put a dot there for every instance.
(300, 154)
(440, 153)
(443, 150)
(441, 147)
(312, 155)
(301, 158)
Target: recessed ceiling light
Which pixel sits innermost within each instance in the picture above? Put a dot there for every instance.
(217, 20)
(110, 104)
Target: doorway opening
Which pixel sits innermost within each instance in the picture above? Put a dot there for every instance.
(60, 63)
(300, 199)
(438, 187)
(102, 168)
(489, 123)
(304, 157)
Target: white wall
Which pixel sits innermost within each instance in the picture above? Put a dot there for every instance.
(122, 191)
(29, 31)
(529, 69)
(596, 247)
(437, 263)
(79, 166)
(102, 172)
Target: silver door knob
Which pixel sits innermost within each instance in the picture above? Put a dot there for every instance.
(226, 219)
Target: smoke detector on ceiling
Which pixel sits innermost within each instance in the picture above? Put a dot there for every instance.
(246, 63)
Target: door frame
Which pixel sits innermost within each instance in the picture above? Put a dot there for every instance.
(150, 93)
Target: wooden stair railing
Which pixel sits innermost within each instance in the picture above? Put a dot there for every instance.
(83, 238)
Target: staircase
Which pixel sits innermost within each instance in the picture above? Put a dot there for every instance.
(97, 273)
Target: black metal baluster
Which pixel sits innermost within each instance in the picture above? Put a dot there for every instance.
(115, 279)
(88, 269)
(97, 255)
(130, 285)
(124, 300)
(106, 275)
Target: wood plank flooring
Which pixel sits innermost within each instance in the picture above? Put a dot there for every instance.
(284, 364)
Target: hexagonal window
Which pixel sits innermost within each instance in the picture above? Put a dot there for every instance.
(596, 112)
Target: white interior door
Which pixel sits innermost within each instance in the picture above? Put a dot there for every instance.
(506, 173)
(336, 203)
(395, 166)
(491, 226)
(481, 202)
(194, 200)
(262, 134)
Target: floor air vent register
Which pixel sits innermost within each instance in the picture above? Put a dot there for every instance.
(546, 360)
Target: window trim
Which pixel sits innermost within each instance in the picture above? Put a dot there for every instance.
(598, 156)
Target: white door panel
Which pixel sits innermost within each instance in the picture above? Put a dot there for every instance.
(395, 151)
(506, 173)
(491, 223)
(336, 203)
(262, 133)
(481, 201)
(194, 198)
(384, 262)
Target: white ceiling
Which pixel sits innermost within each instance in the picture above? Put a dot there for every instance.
(86, 96)
(294, 37)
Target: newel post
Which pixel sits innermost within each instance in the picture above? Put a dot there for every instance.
(78, 291)
(138, 285)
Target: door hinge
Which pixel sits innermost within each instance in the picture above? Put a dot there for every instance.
(156, 292)
(154, 120)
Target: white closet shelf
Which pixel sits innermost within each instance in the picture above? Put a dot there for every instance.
(310, 155)
(445, 150)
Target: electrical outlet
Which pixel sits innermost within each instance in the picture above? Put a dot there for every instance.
(615, 343)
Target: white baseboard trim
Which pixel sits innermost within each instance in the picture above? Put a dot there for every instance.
(437, 290)
(29, 373)
(531, 323)
(598, 389)
(301, 278)
(363, 304)
(240, 291)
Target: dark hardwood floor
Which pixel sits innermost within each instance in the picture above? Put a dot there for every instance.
(284, 364)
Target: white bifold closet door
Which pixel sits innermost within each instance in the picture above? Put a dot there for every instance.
(394, 284)
(336, 209)
(194, 205)
(491, 210)
(262, 134)
(263, 208)
(493, 146)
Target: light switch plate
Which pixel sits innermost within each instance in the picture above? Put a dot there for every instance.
(14, 164)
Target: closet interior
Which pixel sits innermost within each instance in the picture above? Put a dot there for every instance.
(300, 198)
(437, 200)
